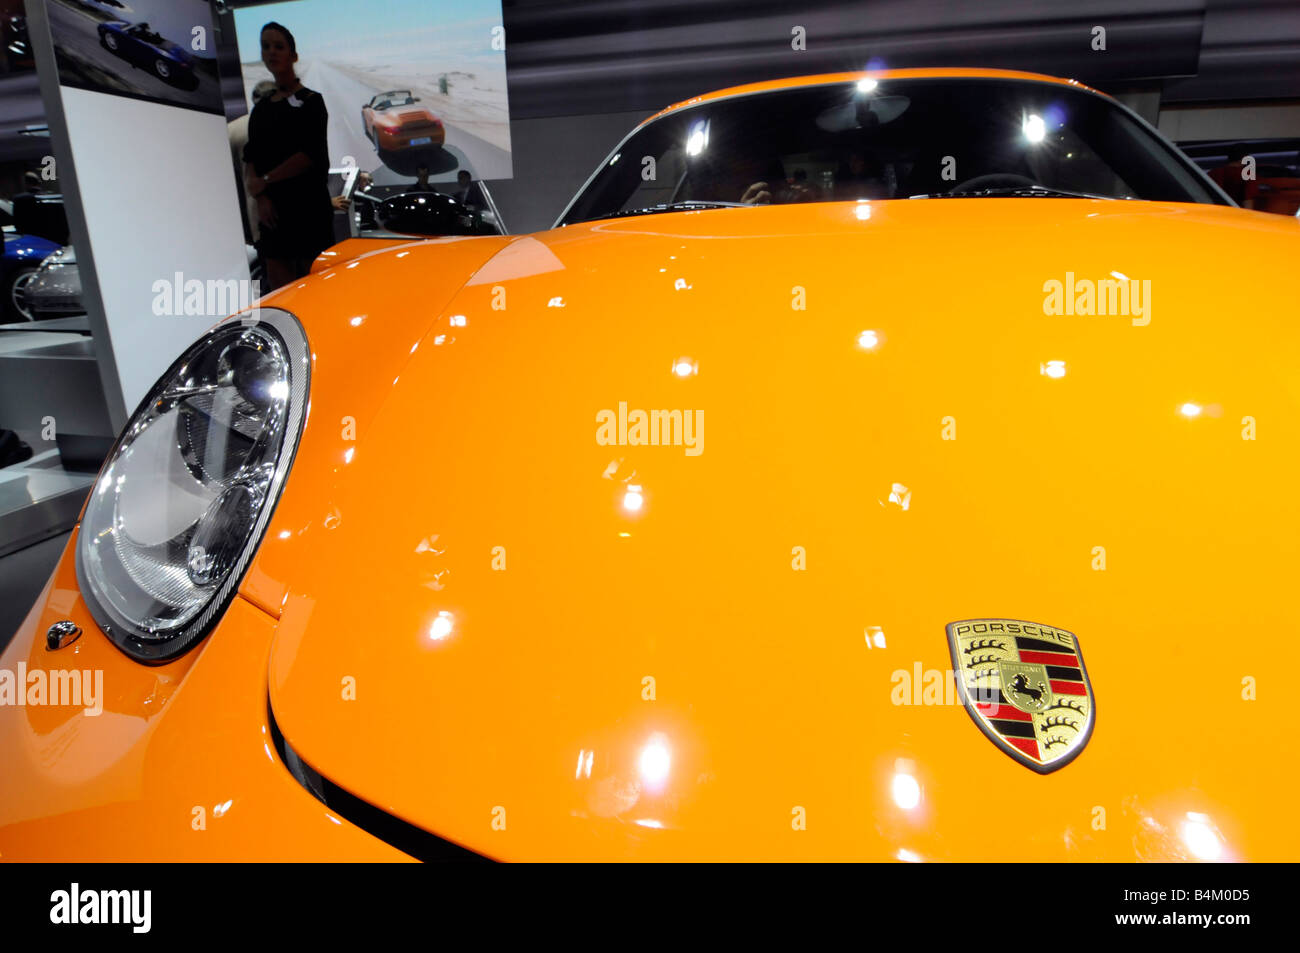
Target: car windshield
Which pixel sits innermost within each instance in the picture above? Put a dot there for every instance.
(890, 139)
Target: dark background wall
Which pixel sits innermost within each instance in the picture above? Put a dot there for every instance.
(600, 56)
(582, 72)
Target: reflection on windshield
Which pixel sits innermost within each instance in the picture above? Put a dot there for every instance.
(888, 139)
(426, 205)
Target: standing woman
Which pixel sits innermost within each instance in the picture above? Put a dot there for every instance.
(287, 166)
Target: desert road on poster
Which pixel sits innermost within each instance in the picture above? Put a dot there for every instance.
(476, 142)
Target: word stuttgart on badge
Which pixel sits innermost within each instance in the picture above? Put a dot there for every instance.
(1026, 687)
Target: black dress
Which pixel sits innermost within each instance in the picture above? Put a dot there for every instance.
(277, 129)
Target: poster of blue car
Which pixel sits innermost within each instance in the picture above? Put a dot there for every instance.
(158, 50)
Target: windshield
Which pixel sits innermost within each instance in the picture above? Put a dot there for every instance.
(890, 139)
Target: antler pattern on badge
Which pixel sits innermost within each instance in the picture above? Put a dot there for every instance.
(980, 644)
(1060, 721)
(1069, 704)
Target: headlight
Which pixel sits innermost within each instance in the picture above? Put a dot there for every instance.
(66, 255)
(186, 494)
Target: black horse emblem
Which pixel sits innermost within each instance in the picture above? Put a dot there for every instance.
(1020, 686)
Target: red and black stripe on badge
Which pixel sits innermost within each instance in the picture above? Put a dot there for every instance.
(1064, 670)
(1015, 726)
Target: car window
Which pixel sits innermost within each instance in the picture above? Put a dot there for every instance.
(896, 139)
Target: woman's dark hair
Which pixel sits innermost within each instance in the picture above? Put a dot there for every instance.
(288, 37)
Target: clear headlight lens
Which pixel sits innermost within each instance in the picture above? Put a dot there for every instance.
(181, 505)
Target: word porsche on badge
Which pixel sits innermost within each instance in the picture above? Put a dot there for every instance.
(654, 428)
(1116, 294)
(1025, 686)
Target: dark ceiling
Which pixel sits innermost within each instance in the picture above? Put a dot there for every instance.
(574, 57)
(594, 56)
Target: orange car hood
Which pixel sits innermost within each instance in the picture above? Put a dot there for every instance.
(478, 636)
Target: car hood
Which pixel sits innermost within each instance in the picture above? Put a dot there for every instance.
(478, 636)
(28, 246)
(408, 114)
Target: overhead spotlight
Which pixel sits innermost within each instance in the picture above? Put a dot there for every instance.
(698, 138)
(1034, 128)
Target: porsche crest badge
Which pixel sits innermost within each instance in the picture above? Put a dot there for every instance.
(1026, 687)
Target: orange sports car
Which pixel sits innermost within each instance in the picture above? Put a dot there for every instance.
(396, 120)
(884, 517)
